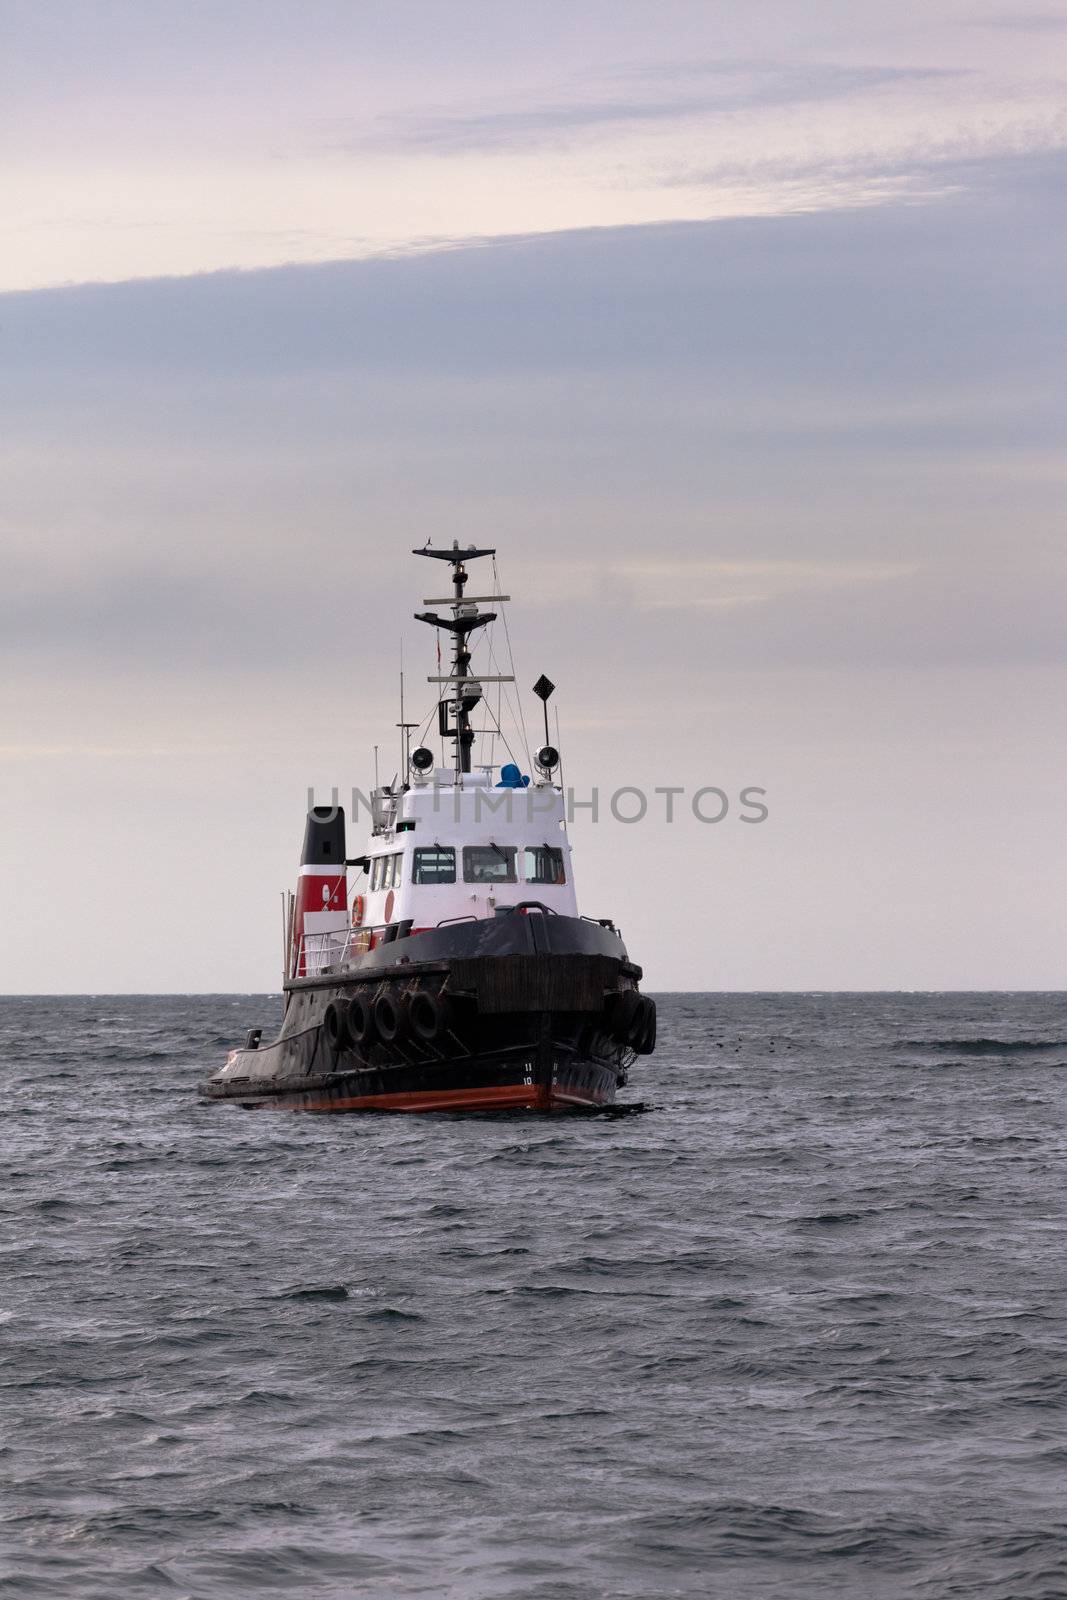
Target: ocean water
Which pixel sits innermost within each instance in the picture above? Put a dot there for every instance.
(798, 1329)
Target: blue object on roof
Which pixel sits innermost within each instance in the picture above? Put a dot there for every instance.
(512, 778)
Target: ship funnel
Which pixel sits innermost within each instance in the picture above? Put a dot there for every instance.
(324, 838)
(320, 921)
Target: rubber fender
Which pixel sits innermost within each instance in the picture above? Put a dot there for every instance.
(430, 1015)
(361, 1020)
(624, 1009)
(335, 1025)
(645, 1041)
(391, 1015)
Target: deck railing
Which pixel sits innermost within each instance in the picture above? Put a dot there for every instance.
(316, 953)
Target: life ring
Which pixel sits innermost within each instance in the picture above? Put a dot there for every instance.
(357, 910)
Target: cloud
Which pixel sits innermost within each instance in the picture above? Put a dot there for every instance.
(651, 95)
(779, 500)
(1021, 21)
(684, 582)
(135, 150)
(819, 431)
(896, 297)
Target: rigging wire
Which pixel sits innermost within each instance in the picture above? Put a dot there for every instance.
(521, 718)
(497, 727)
(490, 732)
(494, 726)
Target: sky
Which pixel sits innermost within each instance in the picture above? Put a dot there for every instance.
(739, 331)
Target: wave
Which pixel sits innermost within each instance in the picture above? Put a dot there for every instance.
(325, 1291)
(984, 1046)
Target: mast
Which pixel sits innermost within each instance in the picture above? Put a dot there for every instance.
(405, 727)
(465, 618)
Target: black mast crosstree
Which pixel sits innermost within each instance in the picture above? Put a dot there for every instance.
(465, 618)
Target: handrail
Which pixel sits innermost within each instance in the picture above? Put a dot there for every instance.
(316, 952)
(321, 952)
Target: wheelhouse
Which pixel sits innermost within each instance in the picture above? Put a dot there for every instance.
(447, 843)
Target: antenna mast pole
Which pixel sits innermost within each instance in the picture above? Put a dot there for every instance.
(405, 727)
(462, 623)
(461, 666)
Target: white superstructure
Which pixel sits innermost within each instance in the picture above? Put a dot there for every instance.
(458, 845)
(448, 843)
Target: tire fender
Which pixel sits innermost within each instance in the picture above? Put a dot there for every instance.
(645, 1041)
(430, 1015)
(361, 1020)
(391, 1016)
(625, 1007)
(335, 1025)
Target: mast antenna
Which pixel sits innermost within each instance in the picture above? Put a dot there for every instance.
(405, 727)
(465, 690)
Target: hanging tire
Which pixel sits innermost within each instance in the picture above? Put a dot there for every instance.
(624, 1009)
(335, 1025)
(430, 1015)
(645, 1041)
(361, 1021)
(391, 1016)
(640, 1022)
(591, 1042)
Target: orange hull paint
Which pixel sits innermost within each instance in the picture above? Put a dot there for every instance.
(502, 1097)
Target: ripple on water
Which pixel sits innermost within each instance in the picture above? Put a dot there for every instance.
(798, 1331)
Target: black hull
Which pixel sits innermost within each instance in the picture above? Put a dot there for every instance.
(524, 1010)
(474, 1084)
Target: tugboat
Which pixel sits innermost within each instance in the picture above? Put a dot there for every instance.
(454, 973)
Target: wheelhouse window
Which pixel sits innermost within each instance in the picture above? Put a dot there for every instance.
(434, 864)
(542, 863)
(489, 863)
(385, 872)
